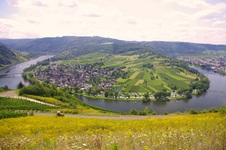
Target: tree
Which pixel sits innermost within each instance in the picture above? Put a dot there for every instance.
(116, 95)
(106, 93)
(133, 111)
(146, 96)
(20, 85)
(188, 94)
(161, 95)
(5, 87)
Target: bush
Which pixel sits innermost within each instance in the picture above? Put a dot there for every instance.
(133, 112)
(213, 110)
(12, 114)
(193, 111)
(143, 113)
(222, 111)
(165, 113)
(41, 90)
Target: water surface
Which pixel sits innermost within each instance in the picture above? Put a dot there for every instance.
(214, 97)
(12, 75)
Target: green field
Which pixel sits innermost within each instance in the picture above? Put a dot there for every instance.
(140, 79)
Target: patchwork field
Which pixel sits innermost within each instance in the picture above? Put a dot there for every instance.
(140, 79)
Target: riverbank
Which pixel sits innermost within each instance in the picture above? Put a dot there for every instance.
(135, 99)
(14, 75)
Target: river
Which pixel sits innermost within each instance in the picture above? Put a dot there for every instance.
(214, 97)
(12, 75)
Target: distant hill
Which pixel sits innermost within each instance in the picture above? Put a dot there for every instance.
(8, 56)
(182, 48)
(72, 45)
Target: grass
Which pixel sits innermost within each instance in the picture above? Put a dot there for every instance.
(203, 131)
(139, 82)
(169, 80)
(134, 75)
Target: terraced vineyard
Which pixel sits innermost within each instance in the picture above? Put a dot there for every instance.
(20, 104)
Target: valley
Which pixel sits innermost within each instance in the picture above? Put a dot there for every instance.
(9, 56)
(127, 76)
(112, 75)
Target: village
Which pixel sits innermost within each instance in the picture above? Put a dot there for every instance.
(216, 64)
(83, 77)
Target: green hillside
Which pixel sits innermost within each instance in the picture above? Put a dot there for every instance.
(73, 46)
(8, 56)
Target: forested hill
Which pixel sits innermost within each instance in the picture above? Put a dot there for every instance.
(7, 56)
(183, 48)
(73, 45)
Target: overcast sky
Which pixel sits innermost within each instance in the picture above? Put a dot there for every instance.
(199, 21)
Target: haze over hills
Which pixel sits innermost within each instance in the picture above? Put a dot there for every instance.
(73, 45)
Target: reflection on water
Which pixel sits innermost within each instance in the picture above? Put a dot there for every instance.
(214, 97)
(12, 75)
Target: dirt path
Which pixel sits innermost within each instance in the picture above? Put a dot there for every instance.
(12, 94)
(8, 93)
(116, 117)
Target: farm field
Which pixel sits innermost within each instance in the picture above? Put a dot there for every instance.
(140, 79)
(202, 131)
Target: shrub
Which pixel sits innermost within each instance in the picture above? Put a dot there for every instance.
(133, 112)
(12, 114)
(222, 111)
(193, 111)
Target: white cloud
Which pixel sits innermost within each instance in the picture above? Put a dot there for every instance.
(171, 20)
(188, 3)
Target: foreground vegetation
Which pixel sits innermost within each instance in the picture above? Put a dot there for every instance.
(20, 104)
(12, 108)
(204, 131)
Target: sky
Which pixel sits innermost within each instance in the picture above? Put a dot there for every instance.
(198, 21)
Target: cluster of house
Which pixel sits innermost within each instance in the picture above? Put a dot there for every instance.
(215, 63)
(83, 77)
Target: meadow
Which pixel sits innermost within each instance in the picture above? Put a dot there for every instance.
(197, 132)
